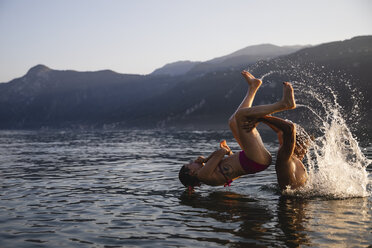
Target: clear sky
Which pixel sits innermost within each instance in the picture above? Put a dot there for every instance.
(138, 36)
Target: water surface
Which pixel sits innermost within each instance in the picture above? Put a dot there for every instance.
(120, 188)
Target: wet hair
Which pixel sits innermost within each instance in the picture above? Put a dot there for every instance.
(303, 141)
(186, 179)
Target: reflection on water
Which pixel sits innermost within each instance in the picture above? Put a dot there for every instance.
(120, 188)
(343, 222)
(244, 218)
(292, 221)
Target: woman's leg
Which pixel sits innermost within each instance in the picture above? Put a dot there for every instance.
(251, 141)
(253, 85)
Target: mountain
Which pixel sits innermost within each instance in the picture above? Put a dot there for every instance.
(353, 56)
(52, 98)
(196, 99)
(176, 68)
(207, 101)
(264, 51)
(247, 55)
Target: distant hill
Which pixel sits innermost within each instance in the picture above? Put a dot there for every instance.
(264, 51)
(243, 57)
(176, 68)
(247, 55)
(201, 97)
(208, 101)
(352, 56)
(52, 98)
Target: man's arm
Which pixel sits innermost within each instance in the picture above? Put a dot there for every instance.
(288, 136)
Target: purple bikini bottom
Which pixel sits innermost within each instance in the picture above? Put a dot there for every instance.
(249, 165)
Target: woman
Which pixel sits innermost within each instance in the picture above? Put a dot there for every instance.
(220, 170)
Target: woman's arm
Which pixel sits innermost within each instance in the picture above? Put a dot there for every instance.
(213, 160)
(223, 144)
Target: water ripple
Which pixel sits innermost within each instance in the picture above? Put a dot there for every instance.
(120, 188)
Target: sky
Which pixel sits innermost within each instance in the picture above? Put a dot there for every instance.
(139, 36)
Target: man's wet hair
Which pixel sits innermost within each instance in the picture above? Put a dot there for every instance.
(186, 179)
(303, 140)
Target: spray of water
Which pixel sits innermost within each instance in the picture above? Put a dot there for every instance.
(268, 74)
(335, 162)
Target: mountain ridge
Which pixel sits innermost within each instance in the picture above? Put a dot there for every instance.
(47, 98)
(250, 54)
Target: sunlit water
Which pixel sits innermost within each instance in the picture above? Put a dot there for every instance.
(120, 188)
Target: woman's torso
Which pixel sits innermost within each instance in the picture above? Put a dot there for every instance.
(228, 169)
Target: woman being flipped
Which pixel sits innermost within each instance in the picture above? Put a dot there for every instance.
(217, 169)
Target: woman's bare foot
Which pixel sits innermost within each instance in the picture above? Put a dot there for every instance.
(288, 99)
(251, 80)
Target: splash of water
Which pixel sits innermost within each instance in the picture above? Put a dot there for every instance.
(268, 74)
(336, 165)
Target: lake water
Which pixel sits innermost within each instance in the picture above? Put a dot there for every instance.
(121, 189)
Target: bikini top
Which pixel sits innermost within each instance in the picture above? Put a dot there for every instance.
(228, 181)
